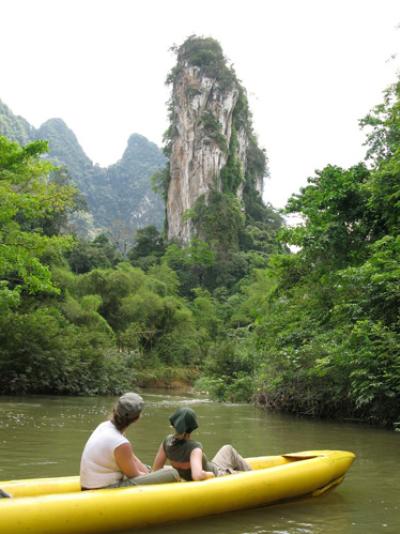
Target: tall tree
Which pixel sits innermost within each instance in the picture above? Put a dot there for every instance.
(29, 199)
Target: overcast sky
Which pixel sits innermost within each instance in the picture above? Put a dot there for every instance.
(312, 69)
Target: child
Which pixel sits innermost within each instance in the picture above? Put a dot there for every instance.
(187, 456)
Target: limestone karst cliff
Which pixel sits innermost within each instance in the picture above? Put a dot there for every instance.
(211, 144)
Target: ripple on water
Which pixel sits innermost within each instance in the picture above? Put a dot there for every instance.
(43, 462)
(10, 405)
(178, 402)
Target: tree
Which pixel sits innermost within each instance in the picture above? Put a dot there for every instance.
(99, 253)
(337, 221)
(28, 197)
(191, 264)
(382, 124)
(148, 248)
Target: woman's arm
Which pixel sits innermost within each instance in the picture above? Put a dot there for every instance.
(128, 463)
(196, 465)
(160, 459)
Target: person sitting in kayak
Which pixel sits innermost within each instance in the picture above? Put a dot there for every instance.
(108, 460)
(187, 456)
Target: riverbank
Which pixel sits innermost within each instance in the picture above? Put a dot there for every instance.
(167, 377)
(188, 380)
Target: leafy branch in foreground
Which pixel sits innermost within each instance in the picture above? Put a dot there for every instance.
(28, 197)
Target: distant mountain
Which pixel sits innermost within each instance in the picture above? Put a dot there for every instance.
(119, 197)
(64, 147)
(15, 127)
(138, 205)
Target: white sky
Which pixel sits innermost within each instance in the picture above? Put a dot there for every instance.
(312, 68)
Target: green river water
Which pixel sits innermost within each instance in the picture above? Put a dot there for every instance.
(44, 436)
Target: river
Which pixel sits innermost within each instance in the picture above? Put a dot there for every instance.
(44, 436)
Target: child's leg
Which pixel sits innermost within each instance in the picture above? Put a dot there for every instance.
(228, 459)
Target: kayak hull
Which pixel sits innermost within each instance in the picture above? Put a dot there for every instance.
(70, 511)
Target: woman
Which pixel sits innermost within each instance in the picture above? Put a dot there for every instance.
(108, 459)
(187, 456)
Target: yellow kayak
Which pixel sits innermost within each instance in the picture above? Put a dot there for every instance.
(57, 506)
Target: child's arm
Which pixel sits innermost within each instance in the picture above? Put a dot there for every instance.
(160, 459)
(196, 465)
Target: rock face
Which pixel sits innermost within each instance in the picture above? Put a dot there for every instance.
(207, 130)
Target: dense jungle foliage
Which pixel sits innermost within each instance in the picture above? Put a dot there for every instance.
(81, 317)
(312, 332)
(318, 331)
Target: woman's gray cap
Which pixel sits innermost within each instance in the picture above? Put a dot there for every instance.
(130, 404)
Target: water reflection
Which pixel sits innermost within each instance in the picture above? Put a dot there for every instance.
(44, 436)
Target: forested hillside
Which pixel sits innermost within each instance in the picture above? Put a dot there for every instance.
(14, 127)
(117, 199)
